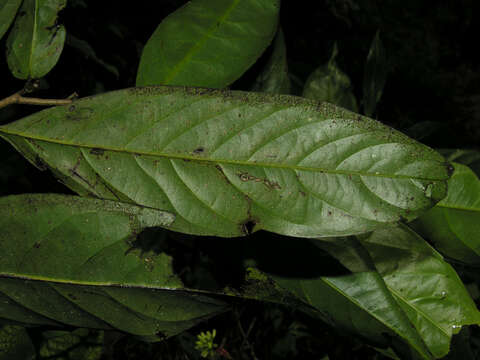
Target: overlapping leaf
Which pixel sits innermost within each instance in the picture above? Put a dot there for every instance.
(358, 303)
(225, 162)
(425, 286)
(73, 261)
(453, 225)
(400, 288)
(208, 43)
(36, 41)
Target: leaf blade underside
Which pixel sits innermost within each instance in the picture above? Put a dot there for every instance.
(222, 159)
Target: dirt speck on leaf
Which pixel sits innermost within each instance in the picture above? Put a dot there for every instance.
(97, 151)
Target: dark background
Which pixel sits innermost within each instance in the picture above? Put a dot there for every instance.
(432, 93)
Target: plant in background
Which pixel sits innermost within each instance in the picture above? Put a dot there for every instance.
(344, 199)
(205, 344)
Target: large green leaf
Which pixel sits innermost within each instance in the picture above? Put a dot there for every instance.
(208, 43)
(36, 41)
(225, 162)
(8, 10)
(74, 261)
(329, 83)
(453, 225)
(274, 77)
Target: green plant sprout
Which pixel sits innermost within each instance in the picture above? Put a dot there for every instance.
(205, 344)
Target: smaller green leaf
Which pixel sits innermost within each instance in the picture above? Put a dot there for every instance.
(8, 10)
(36, 40)
(208, 43)
(329, 83)
(15, 344)
(274, 77)
(453, 225)
(375, 76)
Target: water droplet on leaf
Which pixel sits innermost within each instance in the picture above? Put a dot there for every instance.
(428, 190)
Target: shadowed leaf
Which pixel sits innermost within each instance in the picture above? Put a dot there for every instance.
(274, 78)
(72, 261)
(375, 76)
(329, 83)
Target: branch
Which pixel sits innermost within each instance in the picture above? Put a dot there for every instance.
(18, 98)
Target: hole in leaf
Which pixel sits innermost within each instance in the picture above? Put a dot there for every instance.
(248, 226)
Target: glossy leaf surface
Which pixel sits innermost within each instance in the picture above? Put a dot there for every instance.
(453, 225)
(274, 77)
(329, 83)
(400, 287)
(358, 303)
(74, 261)
(208, 43)
(8, 10)
(36, 41)
(425, 286)
(226, 162)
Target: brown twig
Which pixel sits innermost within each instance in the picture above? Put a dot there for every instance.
(18, 98)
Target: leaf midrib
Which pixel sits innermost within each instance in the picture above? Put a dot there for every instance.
(194, 49)
(373, 314)
(34, 38)
(50, 280)
(217, 161)
(458, 207)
